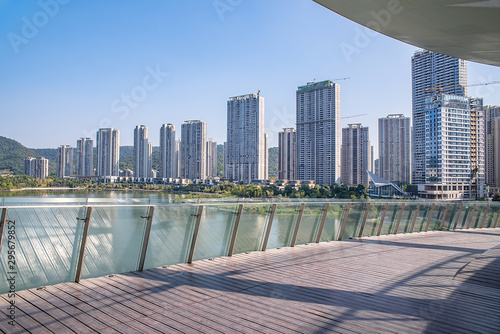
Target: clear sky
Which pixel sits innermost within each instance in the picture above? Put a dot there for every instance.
(92, 64)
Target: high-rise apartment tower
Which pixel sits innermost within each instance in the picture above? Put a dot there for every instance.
(318, 132)
(356, 155)
(85, 157)
(194, 150)
(431, 70)
(394, 150)
(168, 162)
(108, 152)
(286, 154)
(246, 147)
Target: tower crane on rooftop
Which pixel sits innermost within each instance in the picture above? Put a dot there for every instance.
(352, 116)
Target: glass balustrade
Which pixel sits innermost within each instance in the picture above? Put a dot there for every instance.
(46, 242)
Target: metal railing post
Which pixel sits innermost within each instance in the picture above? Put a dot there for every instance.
(458, 216)
(344, 222)
(84, 243)
(195, 233)
(486, 210)
(268, 228)
(414, 220)
(3, 220)
(297, 225)
(430, 217)
(396, 228)
(145, 242)
(471, 216)
(444, 216)
(496, 221)
(322, 223)
(235, 229)
(379, 230)
(365, 216)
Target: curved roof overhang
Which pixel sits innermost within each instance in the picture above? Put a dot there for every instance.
(466, 29)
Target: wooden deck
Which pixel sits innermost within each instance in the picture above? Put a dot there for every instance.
(446, 282)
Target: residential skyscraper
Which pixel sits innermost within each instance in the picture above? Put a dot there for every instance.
(394, 148)
(108, 152)
(85, 157)
(356, 155)
(477, 149)
(30, 166)
(246, 151)
(194, 150)
(451, 148)
(266, 156)
(37, 168)
(142, 153)
(41, 168)
(226, 170)
(491, 113)
(168, 163)
(429, 71)
(318, 132)
(64, 161)
(211, 158)
(177, 159)
(496, 156)
(286, 154)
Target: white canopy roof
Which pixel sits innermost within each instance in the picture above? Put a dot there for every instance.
(466, 29)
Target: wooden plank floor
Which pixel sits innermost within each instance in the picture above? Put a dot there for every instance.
(442, 282)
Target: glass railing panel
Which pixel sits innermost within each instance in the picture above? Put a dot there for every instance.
(252, 228)
(215, 233)
(478, 215)
(391, 217)
(460, 220)
(114, 241)
(309, 223)
(449, 216)
(492, 216)
(283, 225)
(422, 217)
(45, 243)
(406, 217)
(332, 222)
(373, 219)
(354, 219)
(171, 235)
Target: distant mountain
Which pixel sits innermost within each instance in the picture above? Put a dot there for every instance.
(127, 157)
(12, 155)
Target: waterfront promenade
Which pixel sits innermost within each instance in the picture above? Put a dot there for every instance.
(439, 281)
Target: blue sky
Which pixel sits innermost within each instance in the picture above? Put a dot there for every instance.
(91, 64)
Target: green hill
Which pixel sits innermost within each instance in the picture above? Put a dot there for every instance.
(12, 155)
(127, 157)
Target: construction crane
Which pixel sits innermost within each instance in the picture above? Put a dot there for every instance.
(333, 80)
(439, 89)
(353, 116)
(340, 79)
